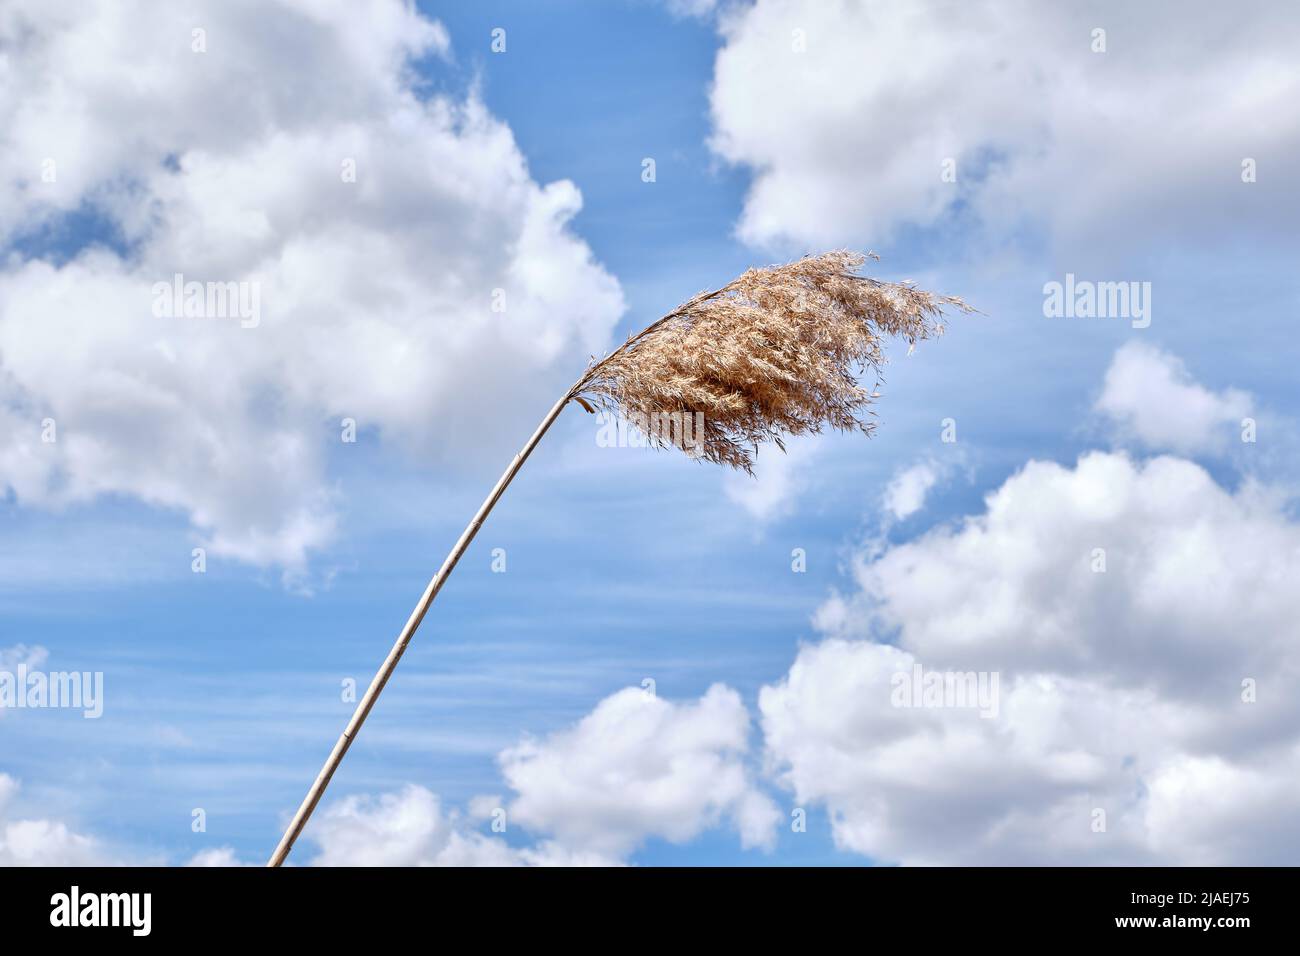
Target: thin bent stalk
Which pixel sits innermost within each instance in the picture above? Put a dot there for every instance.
(404, 638)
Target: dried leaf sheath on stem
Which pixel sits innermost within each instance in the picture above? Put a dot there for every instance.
(770, 354)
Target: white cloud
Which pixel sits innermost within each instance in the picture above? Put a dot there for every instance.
(907, 490)
(410, 827)
(1149, 395)
(43, 842)
(217, 857)
(1119, 690)
(637, 767)
(692, 8)
(407, 828)
(779, 478)
(847, 139)
(228, 165)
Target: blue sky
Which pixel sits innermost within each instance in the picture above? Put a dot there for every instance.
(223, 688)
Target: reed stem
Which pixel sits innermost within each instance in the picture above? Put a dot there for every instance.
(404, 638)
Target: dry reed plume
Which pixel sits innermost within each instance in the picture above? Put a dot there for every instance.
(775, 352)
(772, 353)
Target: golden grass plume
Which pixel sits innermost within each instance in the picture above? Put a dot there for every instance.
(774, 352)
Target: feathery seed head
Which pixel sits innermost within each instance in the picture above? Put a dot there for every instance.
(775, 352)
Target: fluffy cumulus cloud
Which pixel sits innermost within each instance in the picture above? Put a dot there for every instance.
(779, 480)
(1151, 398)
(692, 8)
(411, 827)
(1138, 621)
(216, 857)
(42, 842)
(906, 492)
(406, 828)
(638, 767)
(846, 121)
(287, 149)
